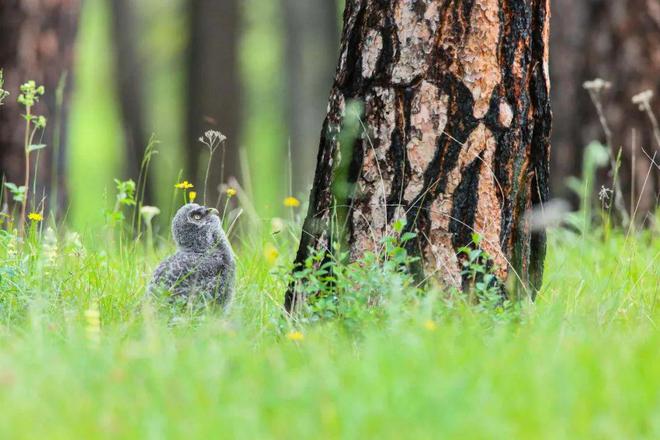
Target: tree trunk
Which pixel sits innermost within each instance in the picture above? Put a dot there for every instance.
(312, 41)
(130, 89)
(214, 90)
(569, 99)
(457, 122)
(37, 44)
(618, 41)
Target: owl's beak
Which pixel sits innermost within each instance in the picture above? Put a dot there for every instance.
(213, 211)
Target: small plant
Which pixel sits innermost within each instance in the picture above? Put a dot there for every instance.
(596, 88)
(212, 139)
(595, 156)
(482, 286)
(125, 197)
(643, 102)
(17, 192)
(148, 213)
(29, 96)
(357, 293)
(3, 92)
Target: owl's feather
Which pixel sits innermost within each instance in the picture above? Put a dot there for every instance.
(204, 261)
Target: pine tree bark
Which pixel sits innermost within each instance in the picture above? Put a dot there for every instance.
(37, 44)
(456, 140)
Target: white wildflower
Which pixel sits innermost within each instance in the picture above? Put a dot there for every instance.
(597, 85)
(212, 139)
(643, 99)
(148, 213)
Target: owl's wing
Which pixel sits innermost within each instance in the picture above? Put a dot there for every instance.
(173, 273)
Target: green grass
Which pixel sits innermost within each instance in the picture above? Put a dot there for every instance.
(582, 362)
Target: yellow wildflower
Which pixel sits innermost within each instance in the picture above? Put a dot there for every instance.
(430, 325)
(184, 185)
(295, 336)
(271, 253)
(291, 202)
(35, 217)
(231, 192)
(192, 195)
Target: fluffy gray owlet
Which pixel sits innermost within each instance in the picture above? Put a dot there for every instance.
(204, 261)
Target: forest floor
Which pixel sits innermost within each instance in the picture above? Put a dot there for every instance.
(83, 355)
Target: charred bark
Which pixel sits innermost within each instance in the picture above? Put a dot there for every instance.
(457, 123)
(37, 44)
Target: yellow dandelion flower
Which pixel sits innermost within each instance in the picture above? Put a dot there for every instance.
(184, 185)
(295, 336)
(271, 253)
(231, 192)
(291, 202)
(35, 217)
(430, 325)
(192, 195)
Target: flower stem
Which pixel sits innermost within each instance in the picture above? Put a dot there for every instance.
(208, 170)
(27, 169)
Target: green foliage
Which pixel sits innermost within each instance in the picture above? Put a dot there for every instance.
(30, 94)
(17, 192)
(3, 92)
(484, 290)
(125, 192)
(125, 197)
(356, 294)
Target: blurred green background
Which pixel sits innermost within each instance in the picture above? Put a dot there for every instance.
(97, 153)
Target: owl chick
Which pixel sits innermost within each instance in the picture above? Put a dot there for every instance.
(203, 263)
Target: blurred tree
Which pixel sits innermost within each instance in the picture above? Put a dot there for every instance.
(454, 138)
(37, 44)
(312, 41)
(214, 90)
(569, 99)
(618, 41)
(130, 89)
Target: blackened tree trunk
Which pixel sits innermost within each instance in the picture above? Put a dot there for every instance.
(130, 89)
(618, 41)
(214, 90)
(37, 44)
(457, 118)
(312, 42)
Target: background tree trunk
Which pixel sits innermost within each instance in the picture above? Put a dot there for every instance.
(214, 90)
(130, 89)
(457, 118)
(312, 41)
(37, 44)
(569, 99)
(618, 41)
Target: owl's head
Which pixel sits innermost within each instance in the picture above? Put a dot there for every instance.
(197, 228)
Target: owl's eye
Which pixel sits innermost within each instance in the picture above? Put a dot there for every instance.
(197, 216)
